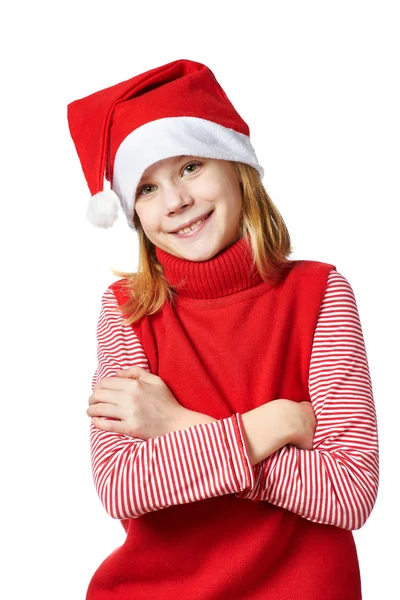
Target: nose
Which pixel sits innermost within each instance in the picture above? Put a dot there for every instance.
(175, 198)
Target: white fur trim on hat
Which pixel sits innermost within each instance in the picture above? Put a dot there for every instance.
(102, 210)
(174, 136)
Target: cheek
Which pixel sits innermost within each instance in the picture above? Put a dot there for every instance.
(211, 191)
(150, 228)
(146, 218)
(233, 200)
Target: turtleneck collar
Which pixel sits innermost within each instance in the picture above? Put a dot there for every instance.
(228, 272)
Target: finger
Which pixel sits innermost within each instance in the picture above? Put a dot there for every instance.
(104, 395)
(102, 409)
(137, 372)
(134, 372)
(113, 426)
(109, 383)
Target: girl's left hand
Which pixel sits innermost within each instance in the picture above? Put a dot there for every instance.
(141, 403)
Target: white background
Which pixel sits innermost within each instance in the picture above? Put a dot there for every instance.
(318, 84)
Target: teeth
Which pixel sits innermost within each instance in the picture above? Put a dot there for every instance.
(192, 227)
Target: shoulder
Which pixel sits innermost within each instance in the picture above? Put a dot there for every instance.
(119, 290)
(313, 274)
(335, 286)
(339, 289)
(112, 297)
(309, 274)
(310, 266)
(118, 285)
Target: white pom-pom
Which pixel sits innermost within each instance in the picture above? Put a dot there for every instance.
(102, 210)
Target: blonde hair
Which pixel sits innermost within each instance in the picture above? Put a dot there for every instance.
(148, 289)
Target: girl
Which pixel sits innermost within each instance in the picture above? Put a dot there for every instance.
(233, 428)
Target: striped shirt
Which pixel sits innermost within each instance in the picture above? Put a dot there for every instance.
(335, 483)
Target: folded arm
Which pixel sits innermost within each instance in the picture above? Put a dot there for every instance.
(133, 476)
(335, 483)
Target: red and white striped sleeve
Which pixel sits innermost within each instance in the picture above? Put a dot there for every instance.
(335, 483)
(133, 476)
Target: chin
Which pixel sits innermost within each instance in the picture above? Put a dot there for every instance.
(203, 254)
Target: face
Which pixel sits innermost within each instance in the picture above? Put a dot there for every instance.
(178, 190)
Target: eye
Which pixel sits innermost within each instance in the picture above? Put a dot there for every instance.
(148, 185)
(192, 165)
(143, 188)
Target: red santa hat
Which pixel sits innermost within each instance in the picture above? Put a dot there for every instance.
(173, 110)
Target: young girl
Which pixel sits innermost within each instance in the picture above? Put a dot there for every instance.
(233, 428)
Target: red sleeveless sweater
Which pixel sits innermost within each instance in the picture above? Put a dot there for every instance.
(229, 546)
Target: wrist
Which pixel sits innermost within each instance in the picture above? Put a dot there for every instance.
(188, 418)
(267, 429)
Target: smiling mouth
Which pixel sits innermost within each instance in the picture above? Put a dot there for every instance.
(195, 227)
